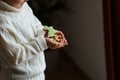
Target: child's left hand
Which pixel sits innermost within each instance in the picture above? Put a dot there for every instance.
(60, 37)
(57, 41)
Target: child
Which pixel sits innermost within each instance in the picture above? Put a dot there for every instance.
(22, 42)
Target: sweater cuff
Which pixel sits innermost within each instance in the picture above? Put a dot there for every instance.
(41, 42)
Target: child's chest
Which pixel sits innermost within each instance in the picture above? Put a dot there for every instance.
(25, 27)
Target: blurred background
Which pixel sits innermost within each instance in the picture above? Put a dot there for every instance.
(82, 23)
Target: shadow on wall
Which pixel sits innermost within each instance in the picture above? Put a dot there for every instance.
(46, 10)
(59, 65)
(85, 34)
(63, 69)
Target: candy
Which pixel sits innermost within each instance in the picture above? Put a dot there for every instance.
(56, 38)
(51, 31)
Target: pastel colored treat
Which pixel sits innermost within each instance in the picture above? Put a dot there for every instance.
(51, 31)
(56, 38)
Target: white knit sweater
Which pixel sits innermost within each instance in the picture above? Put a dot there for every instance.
(21, 44)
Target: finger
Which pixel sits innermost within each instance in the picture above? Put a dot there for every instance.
(51, 43)
(66, 42)
(59, 46)
(59, 33)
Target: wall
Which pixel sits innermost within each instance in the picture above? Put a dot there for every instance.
(84, 31)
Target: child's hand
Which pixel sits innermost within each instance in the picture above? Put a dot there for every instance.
(55, 43)
(61, 37)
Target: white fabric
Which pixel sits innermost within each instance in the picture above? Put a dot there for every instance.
(22, 44)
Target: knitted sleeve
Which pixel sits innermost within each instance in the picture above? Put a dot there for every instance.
(13, 52)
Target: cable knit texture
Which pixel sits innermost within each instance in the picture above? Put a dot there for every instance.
(22, 44)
